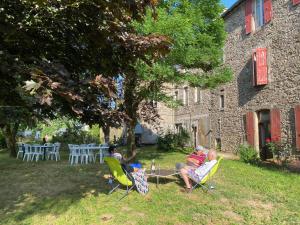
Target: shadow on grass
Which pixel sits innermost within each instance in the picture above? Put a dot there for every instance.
(45, 187)
(51, 188)
(153, 152)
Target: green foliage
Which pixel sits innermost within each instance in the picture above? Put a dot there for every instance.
(172, 141)
(281, 151)
(274, 148)
(51, 127)
(197, 33)
(2, 140)
(197, 36)
(248, 154)
(75, 135)
(196, 29)
(94, 132)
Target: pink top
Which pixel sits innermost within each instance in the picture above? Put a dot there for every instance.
(200, 158)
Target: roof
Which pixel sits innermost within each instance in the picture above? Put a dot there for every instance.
(236, 4)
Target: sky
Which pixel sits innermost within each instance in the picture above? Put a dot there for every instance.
(228, 3)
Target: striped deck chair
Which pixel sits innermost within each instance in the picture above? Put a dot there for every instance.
(204, 182)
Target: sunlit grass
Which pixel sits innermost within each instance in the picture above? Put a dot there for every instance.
(57, 193)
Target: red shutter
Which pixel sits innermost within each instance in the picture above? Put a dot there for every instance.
(295, 2)
(248, 16)
(267, 10)
(275, 125)
(297, 126)
(261, 66)
(250, 128)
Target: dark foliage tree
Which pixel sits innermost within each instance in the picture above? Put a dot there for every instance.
(66, 53)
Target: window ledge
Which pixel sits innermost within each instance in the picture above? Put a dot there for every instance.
(260, 29)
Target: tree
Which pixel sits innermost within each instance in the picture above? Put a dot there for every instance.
(197, 33)
(66, 53)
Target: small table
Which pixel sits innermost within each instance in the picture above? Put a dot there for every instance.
(162, 173)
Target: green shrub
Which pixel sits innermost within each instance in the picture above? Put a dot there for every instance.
(171, 141)
(248, 154)
(75, 135)
(2, 140)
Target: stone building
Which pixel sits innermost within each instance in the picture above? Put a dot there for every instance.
(263, 100)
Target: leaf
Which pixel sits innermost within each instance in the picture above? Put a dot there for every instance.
(31, 86)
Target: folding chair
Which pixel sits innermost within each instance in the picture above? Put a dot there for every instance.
(203, 183)
(118, 174)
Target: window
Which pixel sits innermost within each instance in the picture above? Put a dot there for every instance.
(186, 96)
(178, 127)
(197, 97)
(218, 144)
(222, 100)
(258, 12)
(176, 96)
(153, 103)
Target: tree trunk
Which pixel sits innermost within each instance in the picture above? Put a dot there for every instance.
(10, 132)
(131, 141)
(131, 103)
(106, 132)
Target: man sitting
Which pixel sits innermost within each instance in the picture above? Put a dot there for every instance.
(197, 158)
(188, 173)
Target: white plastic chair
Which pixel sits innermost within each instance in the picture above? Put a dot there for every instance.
(54, 152)
(84, 155)
(71, 146)
(74, 155)
(104, 152)
(27, 152)
(20, 150)
(37, 152)
(91, 156)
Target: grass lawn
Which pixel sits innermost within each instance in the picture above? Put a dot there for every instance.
(57, 193)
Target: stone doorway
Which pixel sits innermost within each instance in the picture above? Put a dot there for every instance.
(203, 132)
(264, 133)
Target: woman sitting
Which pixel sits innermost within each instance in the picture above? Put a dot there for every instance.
(137, 175)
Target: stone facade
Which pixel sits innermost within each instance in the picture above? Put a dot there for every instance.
(226, 126)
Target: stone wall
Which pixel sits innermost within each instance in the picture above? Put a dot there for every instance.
(281, 37)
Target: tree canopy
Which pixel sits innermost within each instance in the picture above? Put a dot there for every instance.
(65, 53)
(197, 34)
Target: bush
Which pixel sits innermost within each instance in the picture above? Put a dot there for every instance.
(171, 141)
(282, 151)
(2, 140)
(248, 154)
(75, 135)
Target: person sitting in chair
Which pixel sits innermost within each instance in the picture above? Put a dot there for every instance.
(193, 160)
(196, 174)
(112, 153)
(197, 158)
(137, 175)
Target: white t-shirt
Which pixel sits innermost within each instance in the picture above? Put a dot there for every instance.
(117, 155)
(202, 170)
